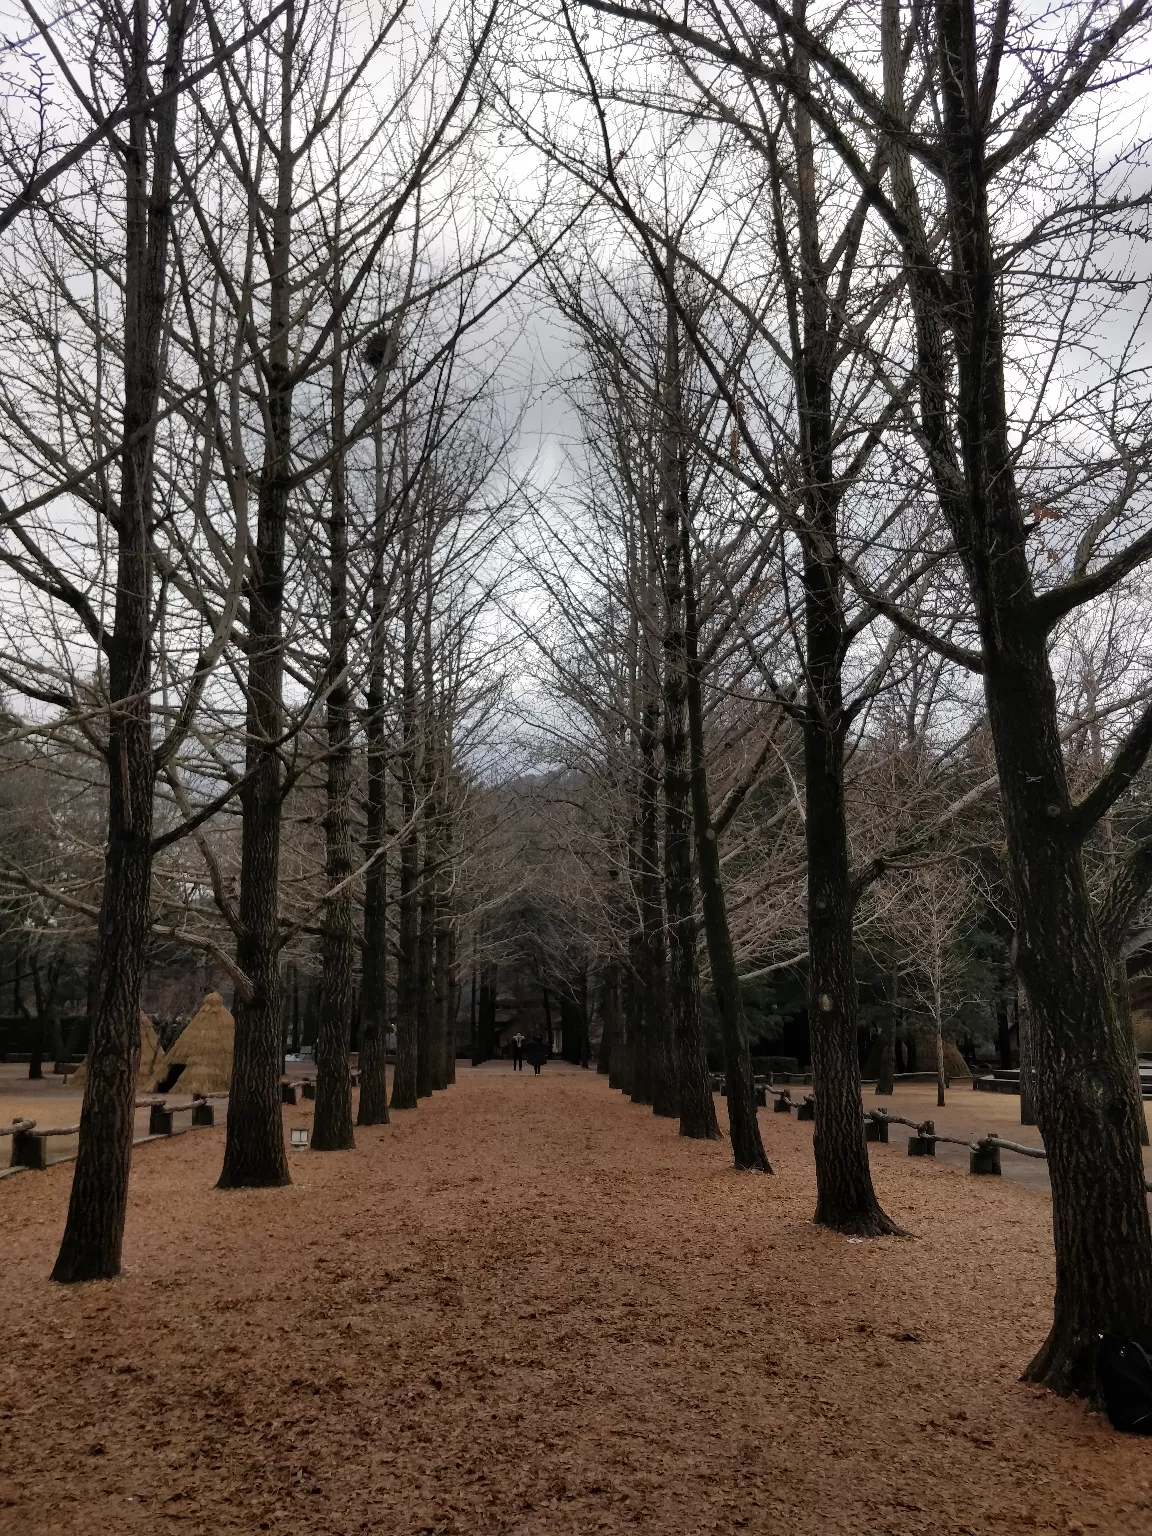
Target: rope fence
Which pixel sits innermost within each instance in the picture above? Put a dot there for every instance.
(983, 1154)
(30, 1141)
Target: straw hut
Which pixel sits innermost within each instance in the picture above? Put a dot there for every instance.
(201, 1059)
(151, 1057)
(954, 1063)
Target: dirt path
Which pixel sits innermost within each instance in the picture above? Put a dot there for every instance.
(529, 1307)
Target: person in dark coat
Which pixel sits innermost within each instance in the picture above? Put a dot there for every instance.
(517, 1052)
(537, 1053)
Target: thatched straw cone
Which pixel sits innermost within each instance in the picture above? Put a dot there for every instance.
(204, 1050)
(151, 1057)
(954, 1063)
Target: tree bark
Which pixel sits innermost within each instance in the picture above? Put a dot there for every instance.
(254, 1154)
(93, 1233)
(1124, 1019)
(1087, 1109)
(694, 1093)
(36, 1060)
(1027, 1063)
(332, 1125)
(373, 1105)
(846, 1200)
(885, 1078)
(488, 984)
(748, 1152)
(1003, 1038)
(609, 1014)
(427, 1018)
(655, 1073)
(473, 1016)
(404, 1087)
(448, 968)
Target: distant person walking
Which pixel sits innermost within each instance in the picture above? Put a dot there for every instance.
(517, 1053)
(537, 1053)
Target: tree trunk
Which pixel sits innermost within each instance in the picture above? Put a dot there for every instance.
(656, 1074)
(885, 1078)
(451, 1000)
(1027, 1064)
(254, 1154)
(1124, 1019)
(441, 973)
(585, 1033)
(332, 1125)
(427, 1016)
(373, 1106)
(693, 1091)
(404, 1085)
(1003, 1036)
(609, 1014)
(473, 1017)
(36, 1061)
(846, 1200)
(295, 1035)
(94, 1229)
(743, 1123)
(425, 1001)
(488, 984)
(1086, 1104)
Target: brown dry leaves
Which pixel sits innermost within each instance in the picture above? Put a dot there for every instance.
(530, 1307)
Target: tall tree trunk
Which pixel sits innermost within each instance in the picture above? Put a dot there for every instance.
(487, 1021)
(94, 1229)
(1027, 1062)
(1003, 1037)
(450, 972)
(254, 1146)
(547, 1015)
(473, 1016)
(427, 1043)
(585, 1041)
(444, 958)
(36, 1061)
(656, 1076)
(404, 1090)
(846, 1200)
(1123, 1003)
(743, 1124)
(295, 1009)
(332, 1125)
(621, 1065)
(694, 1093)
(885, 1079)
(610, 1015)
(373, 1106)
(441, 960)
(1087, 1108)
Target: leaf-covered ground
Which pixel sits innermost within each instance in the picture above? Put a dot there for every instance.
(530, 1307)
